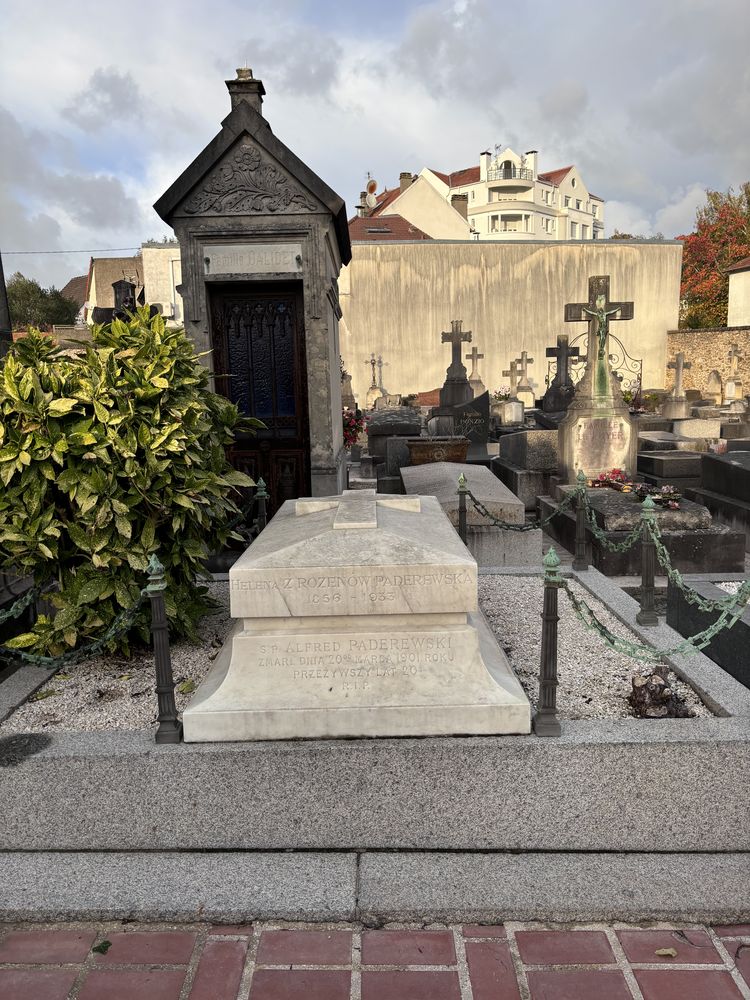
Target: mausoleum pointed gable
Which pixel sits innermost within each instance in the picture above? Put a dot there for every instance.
(245, 180)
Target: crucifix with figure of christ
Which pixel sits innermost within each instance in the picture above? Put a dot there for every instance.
(600, 312)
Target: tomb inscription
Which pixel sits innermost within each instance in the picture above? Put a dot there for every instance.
(252, 258)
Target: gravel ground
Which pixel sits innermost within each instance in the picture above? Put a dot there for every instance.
(594, 681)
(119, 693)
(731, 586)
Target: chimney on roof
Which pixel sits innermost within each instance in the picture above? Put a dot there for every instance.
(362, 209)
(405, 180)
(484, 164)
(246, 88)
(461, 204)
(531, 155)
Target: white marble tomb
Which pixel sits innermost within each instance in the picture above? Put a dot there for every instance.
(357, 616)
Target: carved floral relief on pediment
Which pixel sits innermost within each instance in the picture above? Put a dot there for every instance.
(246, 183)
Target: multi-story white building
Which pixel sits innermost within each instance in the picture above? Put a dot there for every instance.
(507, 199)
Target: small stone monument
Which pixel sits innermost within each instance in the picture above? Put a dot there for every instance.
(733, 386)
(598, 433)
(525, 390)
(714, 388)
(456, 389)
(347, 396)
(677, 406)
(475, 380)
(511, 410)
(356, 616)
(561, 390)
(374, 392)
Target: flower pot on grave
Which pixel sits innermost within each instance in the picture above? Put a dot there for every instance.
(437, 449)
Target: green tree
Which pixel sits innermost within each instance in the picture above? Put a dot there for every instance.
(721, 238)
(33, 306)
(105, 458)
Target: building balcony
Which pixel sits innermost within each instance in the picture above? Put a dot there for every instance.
(520, 178)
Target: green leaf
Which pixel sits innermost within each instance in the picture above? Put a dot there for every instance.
(123, 527)
(187, 687)
(91, 591)
(102, 948)
(41, 695)
(59, 407)
(22, 641)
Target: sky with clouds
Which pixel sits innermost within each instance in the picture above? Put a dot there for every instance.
(102, 105)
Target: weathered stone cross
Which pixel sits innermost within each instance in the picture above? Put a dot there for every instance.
(735, 356)
(563, 353)
(455, 337)
(381, 365)
(523, 365)
(678, 365)
(512, 374)
(474, 357)
(599, 311)
(356, 508)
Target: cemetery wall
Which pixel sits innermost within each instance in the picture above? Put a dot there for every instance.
(162, 273)
(397, 298)
(707, 350)
(739, 299)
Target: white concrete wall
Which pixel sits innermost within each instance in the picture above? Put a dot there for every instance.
(738, 313)
(162, 272)
(398, 298)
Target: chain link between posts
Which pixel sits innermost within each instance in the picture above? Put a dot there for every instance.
(481, 509)
(120, 624)
(19, 606)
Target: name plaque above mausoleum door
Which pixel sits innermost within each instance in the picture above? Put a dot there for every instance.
(253, 258)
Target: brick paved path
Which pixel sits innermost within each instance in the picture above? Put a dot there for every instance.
(342, 962)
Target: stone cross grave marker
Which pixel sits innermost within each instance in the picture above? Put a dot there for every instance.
(356, 508)
(455, 337)
(597, 379)
(512, 374)
(525, 390)
(735, 356)
(561, 389)
(597, 433)
(474, 357)
(381, 365)
(372, 361)
(679, 364)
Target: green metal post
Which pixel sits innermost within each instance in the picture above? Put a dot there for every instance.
(647, 615)
(170, 728)
(580, 559)
(261, 497)
(462, 491)
(546, 722)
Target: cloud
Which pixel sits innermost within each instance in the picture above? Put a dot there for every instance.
(315, 75)
(565, 102)
(108, 98)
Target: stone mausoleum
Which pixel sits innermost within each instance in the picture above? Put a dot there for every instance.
(262, 240)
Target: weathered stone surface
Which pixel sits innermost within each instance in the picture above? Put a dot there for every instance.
(526, 484)
(440, 479)
(597, 441)
(535, 450)
(621, 511)
(678, 465)
(401, 422)
(396, 455)
(734, 429)
(666, 441)
(676, 409)
(510, 411)
(492, 546)
(739, 444)
(357, 621)
(697, 427)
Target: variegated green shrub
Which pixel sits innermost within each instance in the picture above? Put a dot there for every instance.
(106, 457)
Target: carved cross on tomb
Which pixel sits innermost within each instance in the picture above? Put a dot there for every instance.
(599, 311)
(474, 357)
(679, 364)
(372, 361)
(455, 337)
(735, 356)
(563, 353)
(523, 367)
(356, 508)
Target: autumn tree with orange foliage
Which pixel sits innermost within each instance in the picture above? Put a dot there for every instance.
(721, 238)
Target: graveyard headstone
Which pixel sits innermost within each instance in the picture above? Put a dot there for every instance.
(598, 433)
(456, 389)
(375, 632)
(475, 379)
(561, 390)
(677, 406)
(525, 390)
(714, 388)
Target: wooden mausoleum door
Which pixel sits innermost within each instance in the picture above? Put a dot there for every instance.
(259, 363)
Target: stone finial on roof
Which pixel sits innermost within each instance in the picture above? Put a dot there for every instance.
(246, 88)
